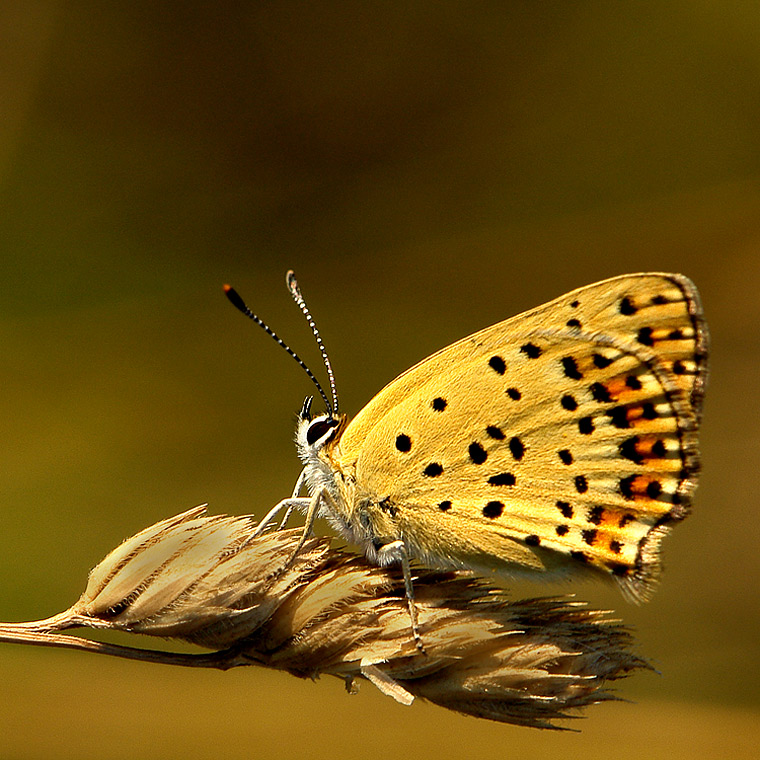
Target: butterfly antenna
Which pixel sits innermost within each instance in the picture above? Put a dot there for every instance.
(240, 304)
(295, 291)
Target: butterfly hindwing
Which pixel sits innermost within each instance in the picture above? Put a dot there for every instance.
(561, 436)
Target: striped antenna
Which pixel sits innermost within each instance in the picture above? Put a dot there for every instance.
(240, 304)
(295, 291)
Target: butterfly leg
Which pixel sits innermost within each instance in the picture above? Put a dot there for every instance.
(396, 553)
(311, 506)
(287, 504)
(311, 515)
(296, 490)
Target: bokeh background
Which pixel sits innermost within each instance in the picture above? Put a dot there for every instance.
(427, 168)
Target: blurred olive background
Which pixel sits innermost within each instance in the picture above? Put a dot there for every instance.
(427, 169)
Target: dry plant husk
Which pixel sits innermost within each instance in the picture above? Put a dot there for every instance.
(208, 581)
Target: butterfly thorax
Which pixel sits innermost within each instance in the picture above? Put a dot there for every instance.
(362, 518)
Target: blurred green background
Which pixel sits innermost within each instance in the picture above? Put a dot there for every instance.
(427, 168)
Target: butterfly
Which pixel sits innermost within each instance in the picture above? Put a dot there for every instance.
(561, 439)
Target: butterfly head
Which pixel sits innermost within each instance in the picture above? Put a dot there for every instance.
(315, 432)
(315, 438)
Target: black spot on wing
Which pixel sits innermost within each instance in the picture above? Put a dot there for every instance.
(648, 411)
(497, 364)
(493, 509)
(625, 519)
(570, 367)
(601, 361)
(619, 417)
(600, 393)
(645, 336)
(629, 450)
(589, 536)
(517, 448)
(433, 470)
(627, 307)
(502, 479)
(626, 486)
(403, 442)
(531, 350)
(569, 403)
(477, 453)
(595, 514)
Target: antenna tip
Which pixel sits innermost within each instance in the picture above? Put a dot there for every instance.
(292, 283)
(235, 299)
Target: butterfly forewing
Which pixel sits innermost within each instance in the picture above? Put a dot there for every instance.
(564, 435)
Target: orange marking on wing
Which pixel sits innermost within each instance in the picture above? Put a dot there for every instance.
(610, 551)
(617, 388)
(640, 414)
(651, 447)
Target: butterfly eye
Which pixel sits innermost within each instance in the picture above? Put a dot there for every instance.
(319, 428)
